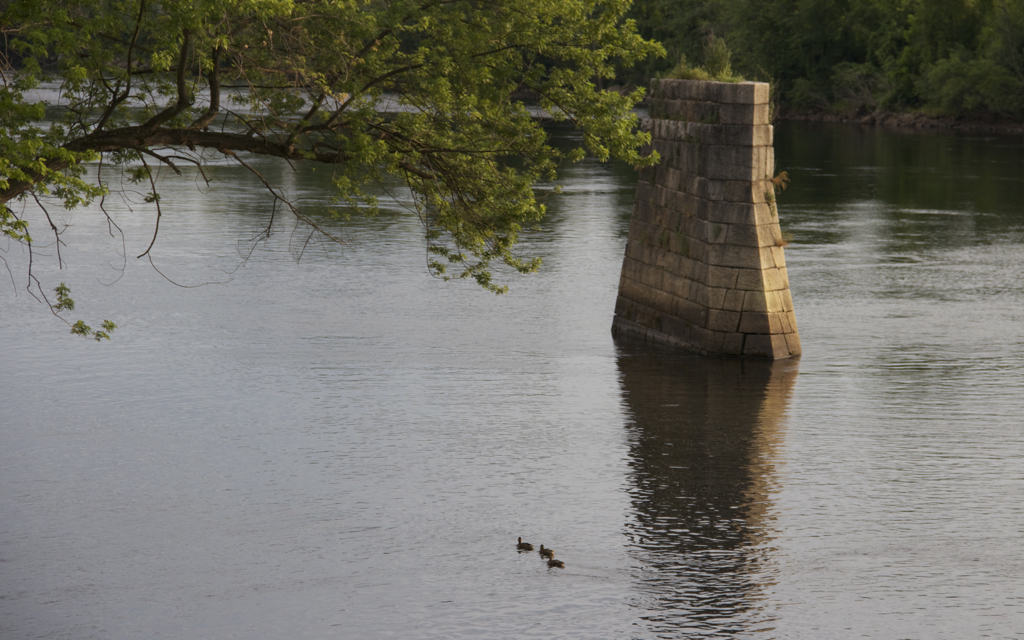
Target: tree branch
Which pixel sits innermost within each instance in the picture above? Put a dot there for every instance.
(183, 101)
(118, 99)
(156, 200)
(141, 137)
(214, 108)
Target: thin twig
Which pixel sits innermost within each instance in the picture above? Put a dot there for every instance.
(159, 213)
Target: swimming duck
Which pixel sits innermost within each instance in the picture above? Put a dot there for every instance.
(555, 563)
(524, 546)
(546, 553)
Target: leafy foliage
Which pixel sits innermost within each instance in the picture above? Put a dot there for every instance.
(421, 89)
(79, 328)
(717, 63)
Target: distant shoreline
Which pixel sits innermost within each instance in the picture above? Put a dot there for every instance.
(916, 121)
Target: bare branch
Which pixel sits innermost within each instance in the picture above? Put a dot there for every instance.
(159, 157)
(112, 225)
(53, 227)
(288, 203)
(128, 67)
(159, 213)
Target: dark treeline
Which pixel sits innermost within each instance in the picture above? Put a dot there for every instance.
(853, 57)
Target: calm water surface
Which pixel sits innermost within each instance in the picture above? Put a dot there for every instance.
(345, 447)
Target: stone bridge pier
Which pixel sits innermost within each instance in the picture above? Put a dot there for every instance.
(704, 267)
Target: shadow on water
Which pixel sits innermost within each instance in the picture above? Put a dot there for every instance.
(705, 434)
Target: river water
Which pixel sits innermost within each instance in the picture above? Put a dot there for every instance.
(344, 447)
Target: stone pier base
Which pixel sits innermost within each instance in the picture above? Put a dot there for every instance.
(704, 266)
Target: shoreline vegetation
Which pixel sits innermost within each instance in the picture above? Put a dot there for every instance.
(915, 64)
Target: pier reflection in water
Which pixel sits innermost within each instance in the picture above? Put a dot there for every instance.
(705, 436)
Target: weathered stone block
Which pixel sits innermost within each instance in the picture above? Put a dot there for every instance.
(692, 110)
(691, 227)
(774, 302)
(699, 250)
(724, 255)
(632, 246)
(742, 191)
(716, 297)
(652, 277)
(663, 301)
(641, 191)
(730, 212)
(691, 205)
(629, 268)
(692, 312)
(672, 178)
(676, 328)
(780, 348)
(678, 243)
(623, 306)
(754, 322)
(749, 280)
(733, 344)
(665, 260)
(768, 235)
(630, 290)
(640, 231)
(723, 277)
(779, 257)
(686, 268)
(758, 346)
(773, 280)
(712, 342)
(793, 344)
(748, 114)
(744, 235)
(644, 253)
(763, 214)
(742, 92)
(678, 287)
(717, 233)
(674, 265)
(734, 135)
(720, 320)
(699, 294)
(755, 301)
(700, 271)
(734, 300)
(699, 336)
(670, 89)
(715, 158)
(787, 326)
(713, 189)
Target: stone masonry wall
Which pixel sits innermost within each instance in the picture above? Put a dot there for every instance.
(704, 266)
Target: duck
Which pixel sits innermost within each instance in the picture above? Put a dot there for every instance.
(546, 553)
(555, 563)
(524, 546)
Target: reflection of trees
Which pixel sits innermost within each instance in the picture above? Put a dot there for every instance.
(704, 438)
(921, 171)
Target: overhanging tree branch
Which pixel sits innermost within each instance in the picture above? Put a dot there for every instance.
(304, 82)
